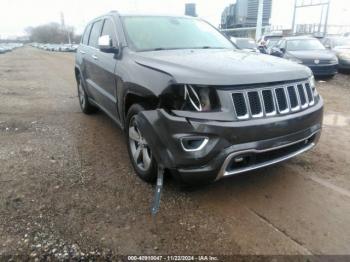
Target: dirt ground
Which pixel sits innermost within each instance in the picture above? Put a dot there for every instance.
(67, 187)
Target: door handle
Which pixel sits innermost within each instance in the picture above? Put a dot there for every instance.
(94, 57)
(82, 52)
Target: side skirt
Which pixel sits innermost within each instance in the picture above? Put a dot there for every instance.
(110, 115)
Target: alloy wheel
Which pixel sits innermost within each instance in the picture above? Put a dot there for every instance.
(81, 95)
(140, 151)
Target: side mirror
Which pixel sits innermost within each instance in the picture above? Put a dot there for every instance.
(105, 45)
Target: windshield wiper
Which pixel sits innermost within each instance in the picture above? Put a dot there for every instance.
(181, 48)
(209, 47)
(158, 49)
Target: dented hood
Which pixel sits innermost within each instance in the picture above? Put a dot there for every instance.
(220, 67)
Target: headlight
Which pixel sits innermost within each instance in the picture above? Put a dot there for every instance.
(334, 60)
(313, 86)
(296, 60)
(190, 98)
(345, 56)
(312, 81)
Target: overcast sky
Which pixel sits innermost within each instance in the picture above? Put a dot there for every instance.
(15, 15)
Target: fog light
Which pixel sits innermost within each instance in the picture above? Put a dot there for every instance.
(191, 144)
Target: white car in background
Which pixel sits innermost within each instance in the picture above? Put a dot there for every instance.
(246, 44)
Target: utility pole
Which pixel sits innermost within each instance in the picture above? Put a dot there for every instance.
(326, 21)
(62, 20)
(321, 21)
(63, 25)
(294, 16)
(259, 21)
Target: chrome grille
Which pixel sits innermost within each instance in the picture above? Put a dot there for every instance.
(265, 102)
(302, 96)
(240, 105)
(281, 98)
(293, 98)
(309, 94)
(255, 104)
(269, 102)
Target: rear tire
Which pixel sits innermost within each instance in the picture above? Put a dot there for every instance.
(84, 102)
(140, 153)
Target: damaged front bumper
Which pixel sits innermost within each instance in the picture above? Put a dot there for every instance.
(207, 150)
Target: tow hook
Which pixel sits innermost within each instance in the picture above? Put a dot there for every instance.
(159, 187)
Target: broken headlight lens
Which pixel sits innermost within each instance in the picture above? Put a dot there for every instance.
(190, 98)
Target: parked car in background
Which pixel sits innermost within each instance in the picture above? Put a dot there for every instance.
(73, 48)
(190, 102)
(307, 51)
(56, 47)
(62, 48)
(271, 36)
(341, 47)
(247, 44)
(271, 43)
(270, 40)
(8, 47)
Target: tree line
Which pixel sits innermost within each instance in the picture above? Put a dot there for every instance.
(52, 33)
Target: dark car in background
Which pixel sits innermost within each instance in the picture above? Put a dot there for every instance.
(190, 102)
(308, 51)
(341, 47)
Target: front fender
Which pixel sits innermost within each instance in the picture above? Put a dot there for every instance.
(150, 126)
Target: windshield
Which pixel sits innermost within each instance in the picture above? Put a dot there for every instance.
(246, 43)
(304, 44)
(147, 33)
(341, 41)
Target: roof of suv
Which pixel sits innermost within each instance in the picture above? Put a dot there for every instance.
(147, 14)
(299, 37)
(117, 13)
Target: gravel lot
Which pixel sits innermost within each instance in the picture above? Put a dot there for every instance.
(67, 187)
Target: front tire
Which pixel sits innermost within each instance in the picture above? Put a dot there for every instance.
(140, 153)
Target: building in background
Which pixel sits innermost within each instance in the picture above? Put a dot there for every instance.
(190, 9)
(244, 13)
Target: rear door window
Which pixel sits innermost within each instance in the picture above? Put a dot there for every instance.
(95, 34)
(86, 35)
